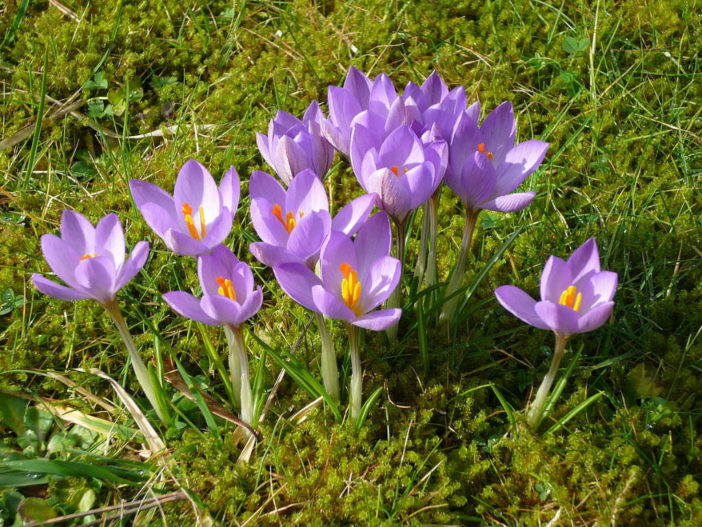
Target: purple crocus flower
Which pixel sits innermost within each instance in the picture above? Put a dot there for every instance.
(91, 260)
(228, 294)
(198, 216)
(294, 224)
(292, 146)
(356, 277)
(485, 166)
(403, 170)
(576, 296)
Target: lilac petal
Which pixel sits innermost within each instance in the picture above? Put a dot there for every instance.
(230, 190)
(306, 194)
(473, 111)
(55, 290)
(223, 309)
(196, 187)
(251, 305)
(519, 163)
(434, 88)
(422, 181)
(382, 95)
(307, 237)
(77, 231)
(605, 285)
(188, 306)
(97, 277)
(158, 218)
(393, 194)
(313, 114)
(510, 202)
(133, 265)
(372, 242)
(267, 225)
(401, 148)
(464, 143)
(379, 320)
(290, 159)
(330, 305)
(272, 255)
(338, 138)
(595, 318)
(242, 282)
(284, 121)
(145, 193)
(520, 304)
(209, 268)
(477, 181)
(555, 278)
(227, 258)
(350, 218)
(109, 238)
(338, 250)
(379, 282)
(61, 258)
(262, 143)
(218, 229)
(363, 140)
(499, 131)
(298, 281)
(359, 85)
(585, 259)
(561, 319)
(397, 116)
(184, 244)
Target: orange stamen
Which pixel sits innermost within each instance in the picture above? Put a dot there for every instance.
(571, 298)
(350, 288)
(188, 214)
(226, 288)
(481, 149)
(289, 221)
(86, 256)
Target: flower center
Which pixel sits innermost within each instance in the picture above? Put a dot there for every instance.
(350, 288)
(396, 170)
(289, 221)
(570, 299)
(87, 256)
(188, 214)
(481, 149)
(226, 288)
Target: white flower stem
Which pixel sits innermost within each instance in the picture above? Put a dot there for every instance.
(245, 385)
(140, 369)
(395, 299)
(356, 391)
(536, 409)
(234, 364)
(330, 371)
(433, 230)
(421, 264)
(450, 305)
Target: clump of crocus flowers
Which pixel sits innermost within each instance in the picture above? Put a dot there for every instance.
(401, 148)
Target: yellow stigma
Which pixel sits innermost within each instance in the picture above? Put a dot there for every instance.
(226, 288)
(188, 214)
(481, 149)
(87, 256)
(350, 288)
(571, 299)
(289, 220)
(396, 171)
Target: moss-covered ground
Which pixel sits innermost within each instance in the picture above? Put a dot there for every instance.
(614, 87)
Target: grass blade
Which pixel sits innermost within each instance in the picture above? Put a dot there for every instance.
(365, 409)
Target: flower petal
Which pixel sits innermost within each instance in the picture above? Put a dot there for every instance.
(55, 290)
(561, 319)
(230, 190)
(379, 282)
(61, 257)
(109, 238)
(350, 218)
(272, 255)
(338, 250)
(133, 265)
(359, 85)
(595, 318)
(159, 219)
(372, 242)
(519, 163)
(252, 304)
(330, 305)
(262, 143)
(510, 202)
(188, 306)
(218, 229)
(393, 194)
(223, 309)
(477, 181)
(555, 278)
(184, 244)
(379, 320)
(401, 148)
(297, 281)
(306, 194)
(78, 232)
(585, 259)
(499, 131)
(520, 304)
(307, 237)
(96, 276)
(220, 263)
(196, 187)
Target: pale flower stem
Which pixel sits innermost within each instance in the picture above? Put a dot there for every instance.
(433, 230)
(234, 364)
(245, 385)
(356, 391)
(536, 408)
(395, 299)
(140, 369)
(450, 305)
(422, 260)
(330, 371)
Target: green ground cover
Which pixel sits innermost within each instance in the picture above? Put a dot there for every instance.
(134, 89)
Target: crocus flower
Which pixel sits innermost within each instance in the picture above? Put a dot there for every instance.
(403, 170)
(228, 299)
(485, 166)
(576, 296)
(198, 216)
(293, 224)
(356, 277)
(292, 146)
(228, 294)
(91, 260)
